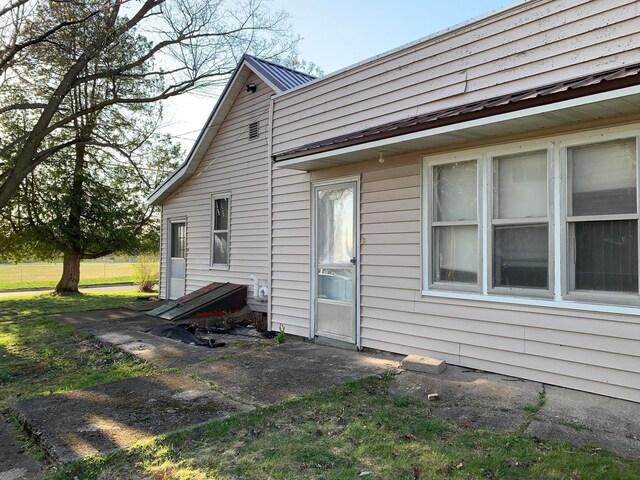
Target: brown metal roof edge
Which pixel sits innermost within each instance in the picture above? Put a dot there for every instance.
(389, 130)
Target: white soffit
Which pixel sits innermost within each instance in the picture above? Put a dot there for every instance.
(593, 107)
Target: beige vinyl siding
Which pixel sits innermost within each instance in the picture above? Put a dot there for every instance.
(529, 45)
(290, 251)
(236, 165)
(591, 351)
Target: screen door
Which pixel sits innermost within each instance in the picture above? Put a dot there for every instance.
(335, 261)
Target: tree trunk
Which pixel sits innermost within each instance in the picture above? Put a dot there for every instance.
(70, 274)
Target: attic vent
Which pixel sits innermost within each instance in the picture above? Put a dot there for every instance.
(253, 131)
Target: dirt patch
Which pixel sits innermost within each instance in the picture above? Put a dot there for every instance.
(471, 398)
(268, 376)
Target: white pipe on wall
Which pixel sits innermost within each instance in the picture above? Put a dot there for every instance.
(260, 294)
(264, 293)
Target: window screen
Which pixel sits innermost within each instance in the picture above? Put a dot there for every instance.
(602, 216)
(520, 221)
(455, 225)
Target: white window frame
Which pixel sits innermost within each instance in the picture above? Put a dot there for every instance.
(431, 224)
(214, 197)
(490, 157)
(568, 293)
(558, 295)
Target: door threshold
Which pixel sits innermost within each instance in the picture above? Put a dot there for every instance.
(330, 342)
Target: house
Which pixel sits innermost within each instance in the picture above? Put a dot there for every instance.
(471, 196)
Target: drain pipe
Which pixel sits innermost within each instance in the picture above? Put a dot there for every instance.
(264, 293)
(260, 294)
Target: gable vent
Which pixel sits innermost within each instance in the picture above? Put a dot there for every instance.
(253, 131)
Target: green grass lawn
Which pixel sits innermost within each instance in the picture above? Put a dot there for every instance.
(47, 275)
(336, 434)
(40, 355)
(343, 432)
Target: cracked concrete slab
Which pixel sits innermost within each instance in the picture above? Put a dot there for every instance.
(582, 418)
(471, 398)
(16, 463)
(99, 321)
(161, 351)
(290, 370)
(129, 331)
(108, 417)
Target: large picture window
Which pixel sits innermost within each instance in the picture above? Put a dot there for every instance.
(220, 230)
(558, 219)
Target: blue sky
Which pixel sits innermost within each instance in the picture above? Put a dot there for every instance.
(339, 33)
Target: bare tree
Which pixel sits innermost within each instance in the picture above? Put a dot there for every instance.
(169, 47)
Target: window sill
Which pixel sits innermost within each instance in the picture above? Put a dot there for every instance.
(455, 288)
(219, 267)
(566, 304)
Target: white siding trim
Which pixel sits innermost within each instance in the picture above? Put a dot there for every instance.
(513, 300)
(270, 213)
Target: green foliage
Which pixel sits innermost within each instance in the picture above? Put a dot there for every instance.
(146, 272)
(124, 57)
(89, 199)
(280, 337)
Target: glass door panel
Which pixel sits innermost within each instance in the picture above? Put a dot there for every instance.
(335, 261)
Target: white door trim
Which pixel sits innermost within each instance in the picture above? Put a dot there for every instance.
(170, 222)
(313, 260)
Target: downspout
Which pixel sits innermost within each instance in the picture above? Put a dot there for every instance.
(270, 207)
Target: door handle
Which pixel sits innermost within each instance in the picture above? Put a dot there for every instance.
(353, 261)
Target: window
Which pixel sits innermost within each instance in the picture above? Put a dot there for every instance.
(496, 226)
(178, 240)
(520, 224)
(602, 216)
(220, 230)
(455, 223)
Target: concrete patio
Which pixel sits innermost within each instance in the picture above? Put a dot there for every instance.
(251, 372)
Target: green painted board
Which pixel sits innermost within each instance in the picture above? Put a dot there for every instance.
(215, 296)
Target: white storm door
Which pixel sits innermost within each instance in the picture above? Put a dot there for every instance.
(177, 254)
(335, 260)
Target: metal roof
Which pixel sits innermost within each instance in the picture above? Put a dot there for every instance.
(556, 92)
(283, 77)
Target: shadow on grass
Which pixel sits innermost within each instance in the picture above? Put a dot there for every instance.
(15, 307)
(40, 355)
(343, 432)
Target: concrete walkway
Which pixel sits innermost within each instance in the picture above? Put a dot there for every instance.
(16, 463)
(251, 372)
(246, 373)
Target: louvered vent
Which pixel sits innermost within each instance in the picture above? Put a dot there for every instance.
(253, 131)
